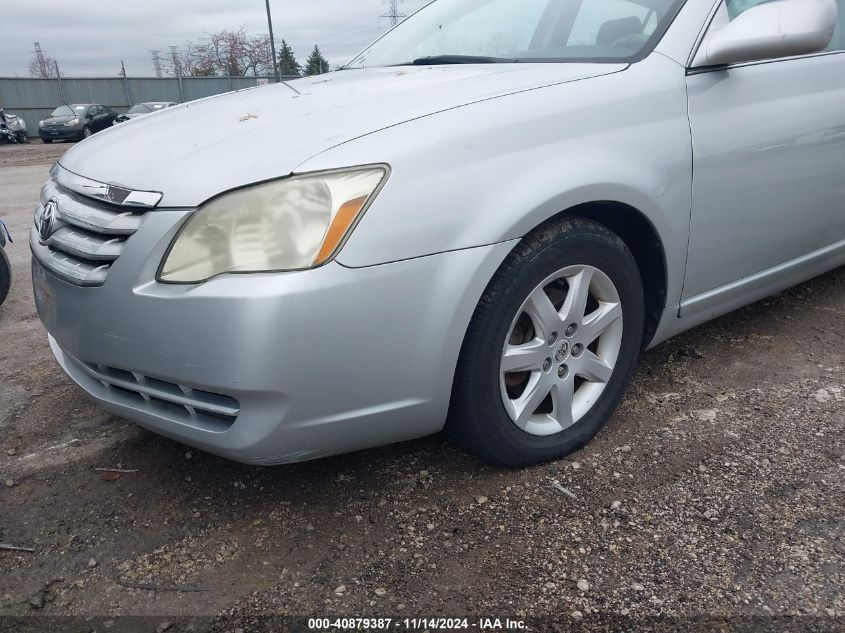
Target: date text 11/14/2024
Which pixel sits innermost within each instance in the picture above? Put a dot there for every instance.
(416, 624)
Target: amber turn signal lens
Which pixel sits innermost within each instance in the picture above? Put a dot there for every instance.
(340, 225)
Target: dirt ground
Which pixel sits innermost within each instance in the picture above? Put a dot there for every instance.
(32, 153)
(716, 493)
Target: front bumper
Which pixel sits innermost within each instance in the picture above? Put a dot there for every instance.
(60, 133)
(302, 364)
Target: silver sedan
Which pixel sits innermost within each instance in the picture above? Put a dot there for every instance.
(478, 223)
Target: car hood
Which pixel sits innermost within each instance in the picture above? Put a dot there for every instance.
(199, 149)
(58, 120)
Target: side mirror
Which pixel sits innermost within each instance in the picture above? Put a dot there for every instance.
(783, 28)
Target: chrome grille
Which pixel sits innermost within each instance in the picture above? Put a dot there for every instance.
(89, 225)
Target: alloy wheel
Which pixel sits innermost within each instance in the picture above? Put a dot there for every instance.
(561, 350)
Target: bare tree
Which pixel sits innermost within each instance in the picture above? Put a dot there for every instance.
(228, 52)
(258, 56)
(42, 66)
(196, 61)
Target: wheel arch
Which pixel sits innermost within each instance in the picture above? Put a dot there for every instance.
(644, 241)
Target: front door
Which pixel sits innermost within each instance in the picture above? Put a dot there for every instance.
(768, 163)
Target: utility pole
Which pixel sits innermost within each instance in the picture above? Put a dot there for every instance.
(125, 84)
(157, 62)
(276, 76)
(59, 79)
(393, 13)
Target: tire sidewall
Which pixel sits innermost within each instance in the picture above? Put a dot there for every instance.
(5, 275)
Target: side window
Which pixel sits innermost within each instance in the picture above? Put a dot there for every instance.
(737, 7)
(612, 23)
(838, 43)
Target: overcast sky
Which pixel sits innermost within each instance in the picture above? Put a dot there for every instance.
(90, 37)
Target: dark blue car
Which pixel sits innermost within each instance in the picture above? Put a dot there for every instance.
(75, 122)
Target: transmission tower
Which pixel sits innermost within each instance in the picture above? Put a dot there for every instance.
(177, 64)
(393, 13)
(157, 60)
(43, 71)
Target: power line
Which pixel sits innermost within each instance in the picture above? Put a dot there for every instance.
(393, 13)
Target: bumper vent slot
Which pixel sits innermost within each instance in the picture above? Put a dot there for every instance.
(179, 403)
(87, 236)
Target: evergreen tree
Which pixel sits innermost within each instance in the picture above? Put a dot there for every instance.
(288, 66)
(316, 64)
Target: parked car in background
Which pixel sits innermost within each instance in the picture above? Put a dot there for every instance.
(481, 223)
(75, 122)
(12, 128)
(142, 109)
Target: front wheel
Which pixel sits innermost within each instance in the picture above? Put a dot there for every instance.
(551, 347)
(86, 132)
(46, 141)
(5, 275)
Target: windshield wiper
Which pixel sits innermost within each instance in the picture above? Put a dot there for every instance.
(436, 60)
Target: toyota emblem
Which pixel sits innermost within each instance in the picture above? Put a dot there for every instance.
(46, 217)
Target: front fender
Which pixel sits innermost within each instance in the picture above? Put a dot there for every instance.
(494, 170)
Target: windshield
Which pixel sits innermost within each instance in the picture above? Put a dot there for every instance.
(62, 111)
(489, 31)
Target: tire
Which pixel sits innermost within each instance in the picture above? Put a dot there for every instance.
(86, 132)
(46, 141)
(485, 413)
(5, 276)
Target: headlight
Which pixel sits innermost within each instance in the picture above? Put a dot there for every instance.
(72, 122)
(41, 123)
(290, 224)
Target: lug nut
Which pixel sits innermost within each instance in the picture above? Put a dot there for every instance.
(552, 339)
(547, 365)
(577, 349)
(571, 329)
(563, 371)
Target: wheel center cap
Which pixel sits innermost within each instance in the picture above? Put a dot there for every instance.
(562, 351)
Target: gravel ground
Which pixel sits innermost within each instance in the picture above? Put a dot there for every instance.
(715, 497)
